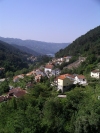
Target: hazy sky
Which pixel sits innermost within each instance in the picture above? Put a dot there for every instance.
(48, 20)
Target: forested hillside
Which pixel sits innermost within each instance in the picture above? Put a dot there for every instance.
(25, 49)
(84, 45)
(11, 58)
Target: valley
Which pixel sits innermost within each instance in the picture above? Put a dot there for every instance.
(44, 93)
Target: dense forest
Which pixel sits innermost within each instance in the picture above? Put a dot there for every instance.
(11, 58)
(84, 45)
(41, 111)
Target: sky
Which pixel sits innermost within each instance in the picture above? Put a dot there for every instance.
(48, 20)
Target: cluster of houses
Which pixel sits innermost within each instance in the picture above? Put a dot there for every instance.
(66, 81)
(47, 70)
(62, 82)
(59, 61)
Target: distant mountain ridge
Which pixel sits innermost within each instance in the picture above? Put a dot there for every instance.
(37, 46)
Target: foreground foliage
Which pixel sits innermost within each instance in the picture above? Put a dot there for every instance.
(41, 111)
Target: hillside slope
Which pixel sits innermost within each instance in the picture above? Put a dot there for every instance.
(11, 58)
(84, 45)
(25, 49)
(38, 46)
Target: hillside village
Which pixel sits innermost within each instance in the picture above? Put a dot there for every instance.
(44, 94)
(62, 82)
(49, 66)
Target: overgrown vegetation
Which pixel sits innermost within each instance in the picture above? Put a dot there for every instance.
(42, 111)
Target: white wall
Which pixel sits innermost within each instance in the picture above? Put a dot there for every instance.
(95, 75)
(80, 81)
(47, 69)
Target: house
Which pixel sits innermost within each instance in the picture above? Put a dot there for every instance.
(38, 78)
(21, 76)
(67, 58)
(17, 92)
(95, 74)
(55, 72)
(16, 78)
(48, 68)
(71, 77)
(80, 79)
(59, 62)
(56, 81)
(30, 73)
(64, 83)
(60, 59)
(5, 98)
(39, 72)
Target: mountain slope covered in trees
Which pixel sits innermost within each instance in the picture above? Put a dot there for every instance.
(25, 49)
(11, 58)
(84, 45)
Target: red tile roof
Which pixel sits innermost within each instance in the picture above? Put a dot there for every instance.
(96, 71)
(71, 76)
(81, 76)
(49, 66)
(17, 92)
(63, 76)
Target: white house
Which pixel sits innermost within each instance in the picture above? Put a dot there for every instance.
(80, 79)
(48, 68)
(95, 74)
(67, 59)
(60, 59)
